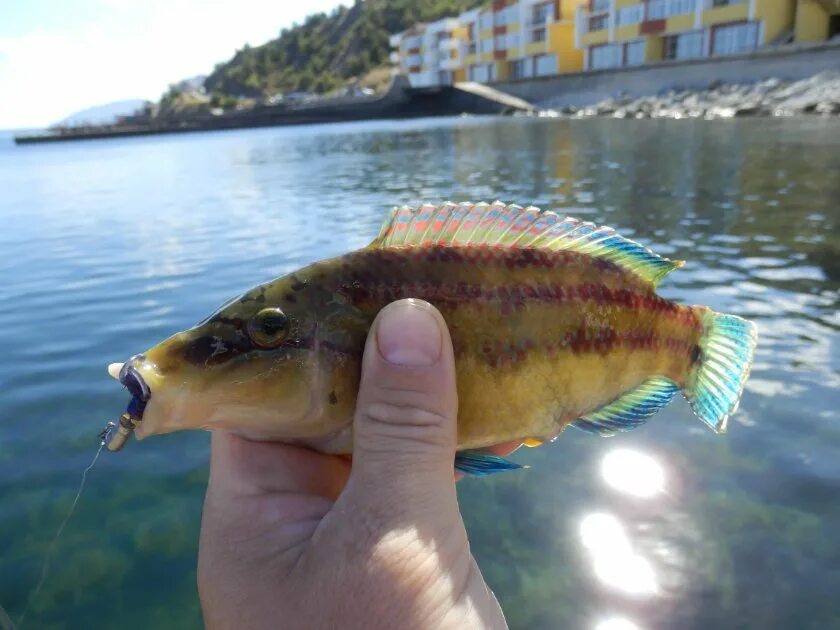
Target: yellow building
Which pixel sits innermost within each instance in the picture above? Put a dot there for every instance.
(504, 39)
(817, 20)
(616, 33)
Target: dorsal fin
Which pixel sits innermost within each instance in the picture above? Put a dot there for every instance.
(514, 226)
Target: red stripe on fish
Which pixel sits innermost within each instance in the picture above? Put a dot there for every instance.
(597, 340)
(514, 297)
(486, 255)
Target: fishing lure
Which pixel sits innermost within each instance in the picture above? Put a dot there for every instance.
(555, 322)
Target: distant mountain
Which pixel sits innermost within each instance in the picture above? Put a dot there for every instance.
(103, 114)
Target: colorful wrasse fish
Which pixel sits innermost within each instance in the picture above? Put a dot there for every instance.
(554, 322)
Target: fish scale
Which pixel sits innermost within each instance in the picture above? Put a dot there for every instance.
(555, 322)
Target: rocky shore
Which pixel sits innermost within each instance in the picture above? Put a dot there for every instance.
(818, 95)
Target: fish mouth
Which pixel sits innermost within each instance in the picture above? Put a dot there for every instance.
(115, 434)
(133, 381)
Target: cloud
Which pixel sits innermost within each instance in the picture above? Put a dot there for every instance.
(130, 49)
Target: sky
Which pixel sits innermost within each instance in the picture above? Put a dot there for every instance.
(61, 56)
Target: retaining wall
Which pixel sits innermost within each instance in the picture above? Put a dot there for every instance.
(585, 88)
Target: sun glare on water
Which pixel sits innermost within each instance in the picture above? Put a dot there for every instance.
(615, 563)
(633, 473)
(617, 623)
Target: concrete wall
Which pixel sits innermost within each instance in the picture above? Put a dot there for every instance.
(791, 62)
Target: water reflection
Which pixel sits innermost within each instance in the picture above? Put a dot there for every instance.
(615, 562)
(617, 623)
(633, 473)
(107, 247)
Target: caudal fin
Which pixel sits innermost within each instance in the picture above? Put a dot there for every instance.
(726, 354)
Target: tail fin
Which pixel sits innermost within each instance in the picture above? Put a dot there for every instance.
(726, 355)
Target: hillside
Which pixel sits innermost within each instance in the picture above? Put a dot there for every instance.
(326, 50)
(103, 114)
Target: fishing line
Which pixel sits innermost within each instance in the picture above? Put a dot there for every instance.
(51, 548)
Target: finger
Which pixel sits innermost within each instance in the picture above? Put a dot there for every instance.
(247, 467)
(405, 422)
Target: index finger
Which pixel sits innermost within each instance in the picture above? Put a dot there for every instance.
(248, 467)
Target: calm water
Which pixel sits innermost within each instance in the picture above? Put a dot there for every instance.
(108, 246)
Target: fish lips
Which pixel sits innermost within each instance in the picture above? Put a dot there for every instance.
(133, 381)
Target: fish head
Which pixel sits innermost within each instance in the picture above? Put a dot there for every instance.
(251, 364)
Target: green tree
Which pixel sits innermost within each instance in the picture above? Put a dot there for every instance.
(326, 49)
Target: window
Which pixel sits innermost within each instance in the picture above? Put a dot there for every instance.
(542, 13)
(445, 77)
(630, 15)
(517, 69)
(500, 18)
(512, 40)
(605, 56)
(734, 39)
(479, 73)
(500, 42)
(471, 48)
(487, 45)
(545, 65)
(681, 6)
(634, 53)
(684, 46)
(539, 35)
(833, 26)
(598, 23)
(486, 20)
(600, 5)
(661, 9)
(726, 3)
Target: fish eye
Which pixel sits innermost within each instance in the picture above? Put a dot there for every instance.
(268, 328)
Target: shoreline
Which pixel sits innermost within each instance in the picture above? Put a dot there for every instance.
(818, 95)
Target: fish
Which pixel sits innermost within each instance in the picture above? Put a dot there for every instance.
(555, 323)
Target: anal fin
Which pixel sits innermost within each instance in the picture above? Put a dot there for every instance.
(479, 464)
(631, 409)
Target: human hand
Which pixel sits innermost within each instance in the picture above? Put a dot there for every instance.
(296, 539)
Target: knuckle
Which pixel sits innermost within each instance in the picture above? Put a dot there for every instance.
(404, 415)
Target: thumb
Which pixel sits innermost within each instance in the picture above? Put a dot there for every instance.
(405, 423)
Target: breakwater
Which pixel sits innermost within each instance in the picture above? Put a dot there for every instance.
(400, 101)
